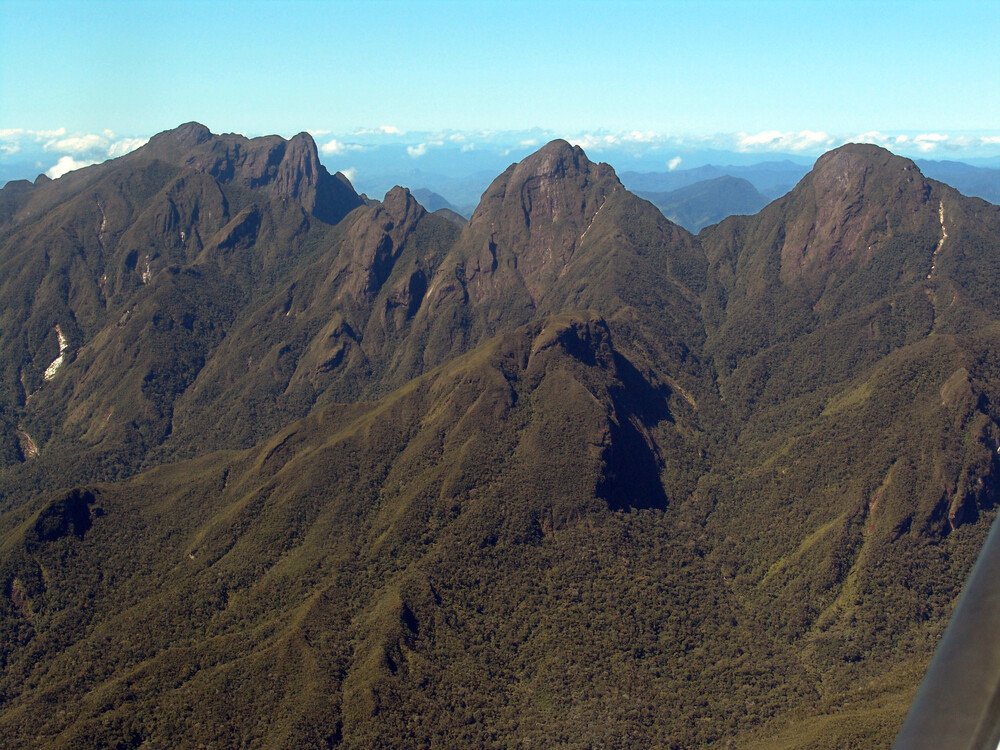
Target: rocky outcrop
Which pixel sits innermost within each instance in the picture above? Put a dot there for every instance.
(373, 244)
(288, 170)
(841, 210)
(534, 216)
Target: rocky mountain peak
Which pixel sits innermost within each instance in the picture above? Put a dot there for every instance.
(548, 186)
(375, 239)
(185, 136)
(399, 202)
(300, 176)
(541, 209)
(299, 168)
(287, 169)
(855, 198)
(557, 158)
(849, 169)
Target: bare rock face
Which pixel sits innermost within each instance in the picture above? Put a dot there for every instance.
(857, 244)
(529, 225)
(300, 177)
(375, 238)
(535, 215)
(374, 243)
(105, 253)
(299, 168)
(287, 170)
(172, 144)
(845, 215)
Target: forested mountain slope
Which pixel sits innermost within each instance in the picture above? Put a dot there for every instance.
(283, 467)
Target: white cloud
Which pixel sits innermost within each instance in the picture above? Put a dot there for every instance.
(598, 141)
(416, 151)
(927, 142)
(350, 173)
(467, 147)
(763, 138)
(331, 148)
(66, 164)
(380, 130)
(674, 163)
(639, 136)
(527, 142)
(35, 135)
(77, 144)
(877, 137)
(990, 140)
(94, 145)
(778, 140)
(318, 132)
(456, 137)
(125, 146)
(44, 134)
(595, 142)
(87, 148)
(872, 136)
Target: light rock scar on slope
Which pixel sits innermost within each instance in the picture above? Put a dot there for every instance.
(53, 369)
(940, 244)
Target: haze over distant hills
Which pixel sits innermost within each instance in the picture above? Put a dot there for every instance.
(771, 178)
(700, 204)
(976, 181)
(283, 466)
(434, 202)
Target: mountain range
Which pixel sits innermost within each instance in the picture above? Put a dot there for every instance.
(696, 198)
(285, 466)
(774, 179)
(701, 204)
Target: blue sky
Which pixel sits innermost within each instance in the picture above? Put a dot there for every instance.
(793, 77)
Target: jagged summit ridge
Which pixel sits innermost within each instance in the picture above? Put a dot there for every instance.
(557, 158)
(288, 169)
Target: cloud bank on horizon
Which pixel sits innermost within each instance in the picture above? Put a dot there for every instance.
(633, 149)
(57, 151)
(806, 142)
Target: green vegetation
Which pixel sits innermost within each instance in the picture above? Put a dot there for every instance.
(353, 475)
